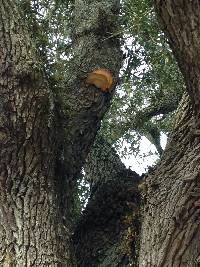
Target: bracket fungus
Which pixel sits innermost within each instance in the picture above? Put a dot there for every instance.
(101, 78)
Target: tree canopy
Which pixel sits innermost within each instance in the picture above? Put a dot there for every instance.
(150, 86)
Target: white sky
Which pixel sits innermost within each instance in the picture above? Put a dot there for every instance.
(138, 164)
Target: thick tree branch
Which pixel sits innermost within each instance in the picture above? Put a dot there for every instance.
(32, 229)
(163, 108)
(40, 151)
(94, 47)
(171, 215)
(102, 237)
(181, 21)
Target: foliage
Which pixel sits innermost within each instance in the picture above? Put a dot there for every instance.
(50, 26)
(81, 196)
(151, 84)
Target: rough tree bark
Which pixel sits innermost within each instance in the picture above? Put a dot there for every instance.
(42, 145)
(171, 222)
(41, 154)
(106, 234)
(170, 228)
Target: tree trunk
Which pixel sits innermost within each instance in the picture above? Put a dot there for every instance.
(32, 232)
(42, 146)
(171, 226)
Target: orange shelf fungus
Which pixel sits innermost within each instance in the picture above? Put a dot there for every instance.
(101, 78)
